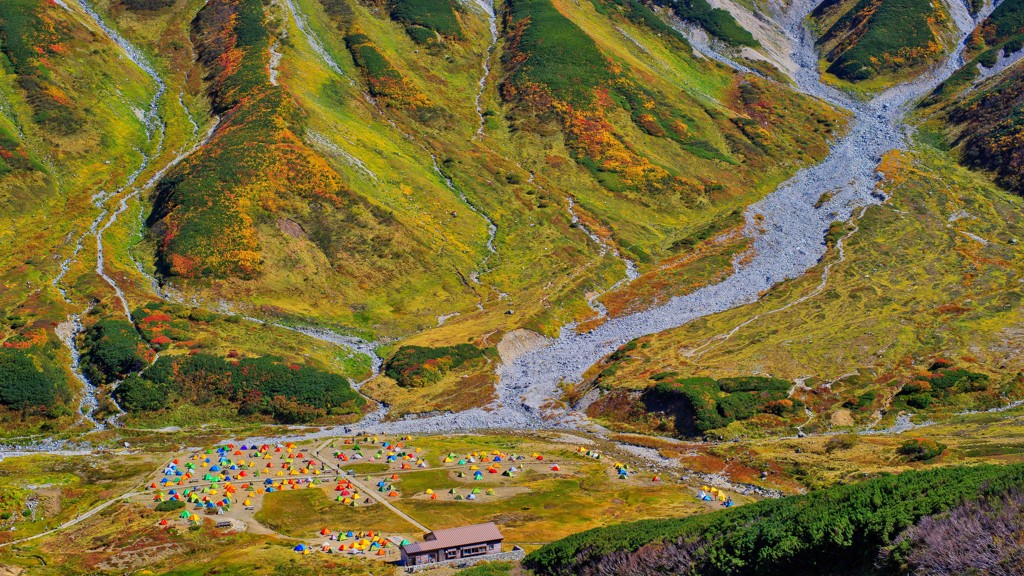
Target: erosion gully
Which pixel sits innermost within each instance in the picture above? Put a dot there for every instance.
(787, 230)
(154, 127)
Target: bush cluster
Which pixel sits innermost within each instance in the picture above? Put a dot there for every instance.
(921, 449)
(417, 366)
(840, 530)
(436, 15)
(718, 22)
(709, 404)
(880, 37)
(28, 387)
(290, 393)
(112, 349)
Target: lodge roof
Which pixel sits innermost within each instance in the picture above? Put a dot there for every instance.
(455, 537)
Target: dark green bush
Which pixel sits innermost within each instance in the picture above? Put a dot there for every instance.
(839, 530)
(421, 35)
(921, 449)
(719, 23)
(147, 5)
(707, 404)
(291, 393)
(111, 351)
(436, 15)
(28, 387)
(169, 505)
(416, 366)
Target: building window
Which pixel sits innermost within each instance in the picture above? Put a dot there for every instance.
(450, 554)
(474, 550)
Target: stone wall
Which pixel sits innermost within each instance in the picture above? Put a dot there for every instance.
(514, 555)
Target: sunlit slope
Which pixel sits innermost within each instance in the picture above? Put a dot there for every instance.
(977, 111)
(925, 290)
(879, 43)
(73, 130)
(654, 146)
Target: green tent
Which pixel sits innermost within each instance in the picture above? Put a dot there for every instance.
(458, 497)
(476, 490)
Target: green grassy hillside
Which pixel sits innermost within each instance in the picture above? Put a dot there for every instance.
(874, 337)
(878, 42)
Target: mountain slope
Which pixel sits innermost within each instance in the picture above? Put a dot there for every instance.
(881, 40)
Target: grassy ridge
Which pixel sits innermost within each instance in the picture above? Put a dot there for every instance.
(1002, 33)
(383, 80)
(882, 37)
(433, 15)
(990, 125)
(549, 50)
(208, 211)
(839, 529)
(718, 22)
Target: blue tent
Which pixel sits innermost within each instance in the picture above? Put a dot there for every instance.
(214, 468)
(268, 482)
(300, 548)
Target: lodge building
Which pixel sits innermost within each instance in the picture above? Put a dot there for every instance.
(453, 544)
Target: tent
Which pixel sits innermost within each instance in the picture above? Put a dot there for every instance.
(300, 548)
